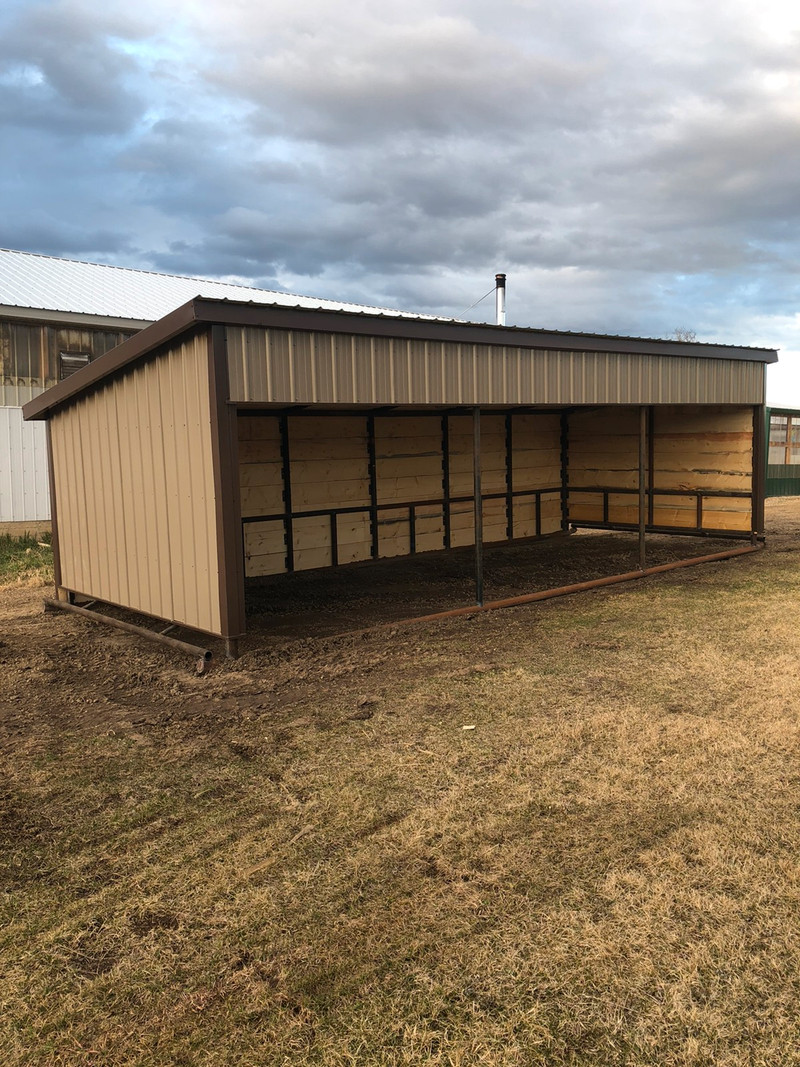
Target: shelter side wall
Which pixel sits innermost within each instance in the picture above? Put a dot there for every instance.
(708, 450)
(134, 486)
(699, 472)
(274, 366)
(324, 490)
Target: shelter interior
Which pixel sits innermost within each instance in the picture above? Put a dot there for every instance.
(326, 488)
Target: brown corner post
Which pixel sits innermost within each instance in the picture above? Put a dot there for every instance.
(759, 479)
(642, 485)
(478, 502)
(225, 443)
(61, 594)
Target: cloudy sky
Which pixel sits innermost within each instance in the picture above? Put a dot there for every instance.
(632, 165)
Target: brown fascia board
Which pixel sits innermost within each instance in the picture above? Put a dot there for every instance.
(232, 313)
(203, 311)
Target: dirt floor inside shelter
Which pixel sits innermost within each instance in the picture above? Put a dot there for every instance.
(341, 599)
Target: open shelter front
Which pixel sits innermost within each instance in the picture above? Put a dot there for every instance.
(230, 441)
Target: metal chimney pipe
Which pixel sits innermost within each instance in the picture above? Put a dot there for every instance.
(500, 298)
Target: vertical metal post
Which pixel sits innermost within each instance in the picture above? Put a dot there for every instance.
(478, 503)
(642, 484)
(446, 479)
(286, 477)
(651, 464)
(334, 540)
(372, 470)
(564, 421)
(510, 477)
(759, 476)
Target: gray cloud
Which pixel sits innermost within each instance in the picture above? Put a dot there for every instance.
(632, 166)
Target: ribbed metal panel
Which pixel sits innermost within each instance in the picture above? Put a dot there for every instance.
(24, 490)
(280, 366)
(29, 280)
(134, 489)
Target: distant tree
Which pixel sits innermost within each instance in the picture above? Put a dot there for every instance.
(682, 334)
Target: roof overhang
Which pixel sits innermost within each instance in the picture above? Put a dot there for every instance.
(202, 311)
(69, 318)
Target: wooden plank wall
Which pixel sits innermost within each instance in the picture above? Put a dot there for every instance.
(329, 461)
(703, 448)
(603, 451)
(694, 448)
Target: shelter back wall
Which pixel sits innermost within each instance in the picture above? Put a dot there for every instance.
(336, 489)
(701, 458)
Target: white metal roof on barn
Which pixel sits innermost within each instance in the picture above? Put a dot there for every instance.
(31, 280)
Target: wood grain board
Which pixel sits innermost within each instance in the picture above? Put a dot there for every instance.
(329, 456)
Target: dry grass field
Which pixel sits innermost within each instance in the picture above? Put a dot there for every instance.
(567, 833)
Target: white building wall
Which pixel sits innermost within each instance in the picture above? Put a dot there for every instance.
(24, 488)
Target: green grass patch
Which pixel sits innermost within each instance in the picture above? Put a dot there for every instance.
(25, 559)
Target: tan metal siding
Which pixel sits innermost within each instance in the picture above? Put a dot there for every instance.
(134, 484)
(280, 366)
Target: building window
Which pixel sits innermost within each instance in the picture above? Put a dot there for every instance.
(72, 361)
(784, 439)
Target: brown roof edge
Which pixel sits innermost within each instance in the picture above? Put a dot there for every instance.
(104, 366)
(234, 313)
(207, 311)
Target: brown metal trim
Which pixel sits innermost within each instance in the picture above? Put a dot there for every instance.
(395, 505)
(51, 476)
(510, 476)
(372, 472)
(446, 517)
(225, 457)
(286, 476)
(334, 532)
(203, 311)
(651, 463)
(673, 531)
(273, 316)
(564, 425)
(759, 468)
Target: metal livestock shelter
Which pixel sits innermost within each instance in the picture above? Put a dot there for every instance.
(230, 440)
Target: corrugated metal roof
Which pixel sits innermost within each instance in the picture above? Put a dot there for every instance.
(31, 280)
